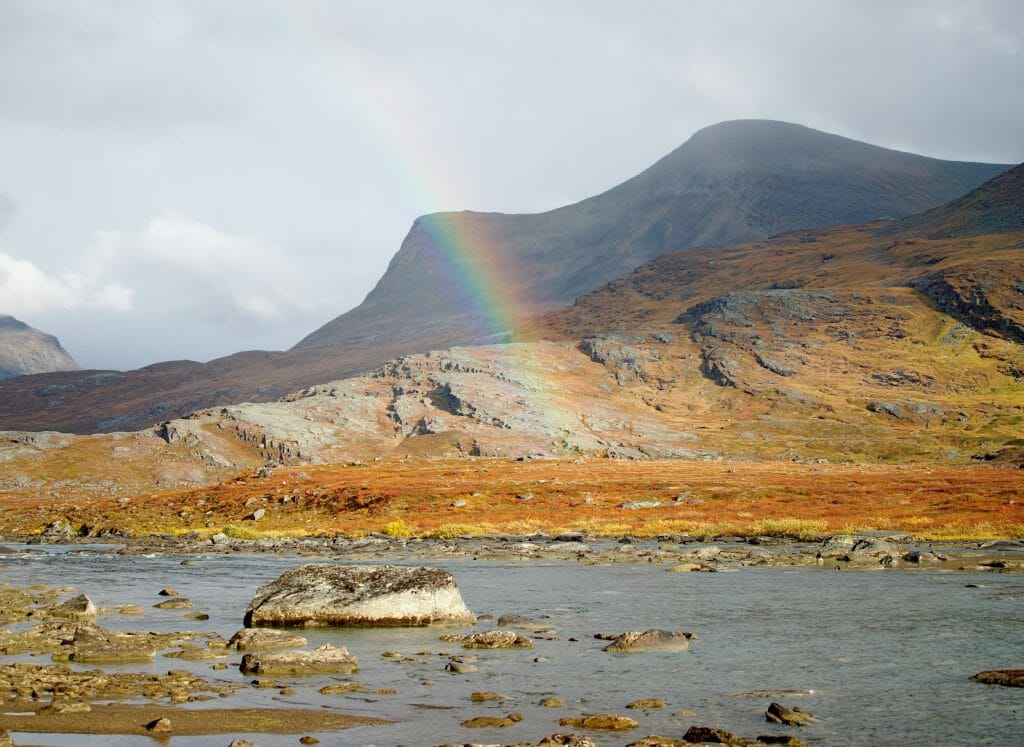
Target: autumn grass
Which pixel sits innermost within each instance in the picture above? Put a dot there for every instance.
(418, 497)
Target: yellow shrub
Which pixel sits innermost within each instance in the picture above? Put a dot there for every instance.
(398, 529)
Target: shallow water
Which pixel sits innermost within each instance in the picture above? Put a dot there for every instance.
(883, 657)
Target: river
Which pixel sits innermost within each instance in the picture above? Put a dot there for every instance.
(881, 657)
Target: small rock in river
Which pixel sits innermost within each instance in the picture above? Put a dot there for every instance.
(647, 703)
(483, 697)
(261, 639)
(326, 659)
(709, 735)
(490, 722)
(490, 639)
(650, 640)
(159, 726)
(174, 603)
(607, 721)
(1004, 677)
(779, 714)
(76, 608)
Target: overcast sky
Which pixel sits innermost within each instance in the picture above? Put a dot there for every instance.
(186, 179)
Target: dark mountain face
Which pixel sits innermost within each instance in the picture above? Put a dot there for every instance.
(731, 183)
(26, 350)
(994, 207)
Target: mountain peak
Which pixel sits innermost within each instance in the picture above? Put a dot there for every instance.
(732, 182)
(25, 350)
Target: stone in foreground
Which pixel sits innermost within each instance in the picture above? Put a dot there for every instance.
(324, 660)
(1004, 677)
(324, 594)
(650, 640)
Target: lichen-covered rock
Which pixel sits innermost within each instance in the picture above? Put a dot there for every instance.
(76, 608)
(607, 721)
(1004, 677)
(263, 639)
(709, 735)
(851, 548)
(342, 688)
(566, 740)
(647, 703)
(174, 603)
(657, 741)
(490, 639)
(324, 660)
(650, 640)
(491, 722)
(323, 594)
(779, 714)
(785, 740)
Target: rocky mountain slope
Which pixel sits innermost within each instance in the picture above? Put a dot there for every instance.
(830, 345)
(733, 182)
(736, 181)
(26, 350)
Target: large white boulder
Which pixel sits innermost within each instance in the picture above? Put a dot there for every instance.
(323, 594)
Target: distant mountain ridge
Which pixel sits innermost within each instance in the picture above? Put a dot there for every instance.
(730, 183)
(25, 350)
(994, 207)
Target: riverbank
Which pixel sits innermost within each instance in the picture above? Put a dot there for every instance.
(876, 549)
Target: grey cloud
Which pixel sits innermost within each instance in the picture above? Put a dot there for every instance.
(323, 127)
(7, 209)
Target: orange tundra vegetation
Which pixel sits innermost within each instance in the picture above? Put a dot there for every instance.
(445, 498)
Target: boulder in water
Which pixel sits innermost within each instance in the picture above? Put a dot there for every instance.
(324, 594)
(324, 660)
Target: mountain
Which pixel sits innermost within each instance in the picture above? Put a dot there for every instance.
(729, 183)
(733, 182)
(870, 343)
(996, 206)
(25, 350)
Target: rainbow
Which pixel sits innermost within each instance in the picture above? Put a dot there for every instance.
(475, 264)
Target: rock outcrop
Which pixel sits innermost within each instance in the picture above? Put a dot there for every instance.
(322, 594)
